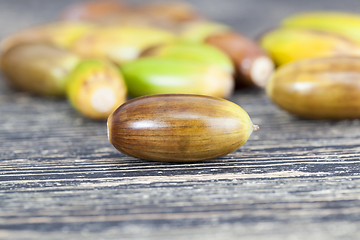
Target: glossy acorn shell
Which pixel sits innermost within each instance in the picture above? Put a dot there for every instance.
(178, 128)
(318, 88)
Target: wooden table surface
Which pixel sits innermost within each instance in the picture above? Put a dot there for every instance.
(60, 178)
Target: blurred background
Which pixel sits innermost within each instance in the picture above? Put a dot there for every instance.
(251, 17)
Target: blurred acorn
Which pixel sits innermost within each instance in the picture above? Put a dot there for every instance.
(60, 34)
(318, 88)
(154, 75)
(38, 68)
(199, 31)
(342, 23)
(290, 44)
(96, 88)
(119, 44)
(252, 64)
(196, 52)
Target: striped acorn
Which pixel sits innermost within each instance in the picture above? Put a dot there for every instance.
(179, 127)
(318, 88)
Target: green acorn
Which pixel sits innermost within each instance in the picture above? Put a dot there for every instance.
(154, 75)
(196, 52)
(96, 88)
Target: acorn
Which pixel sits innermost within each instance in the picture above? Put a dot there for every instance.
(252, 64)
(38, 68)
(318, 88)
(96, 88)
(179, 128)
(119, 43)
(155, 75)
(343, 23)
(290, 44)
(199, 31)
(61, 34)
(192, 51)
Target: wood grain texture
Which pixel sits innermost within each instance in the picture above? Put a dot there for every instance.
(60, 178)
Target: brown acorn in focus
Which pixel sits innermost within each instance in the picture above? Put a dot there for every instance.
(179, 127)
